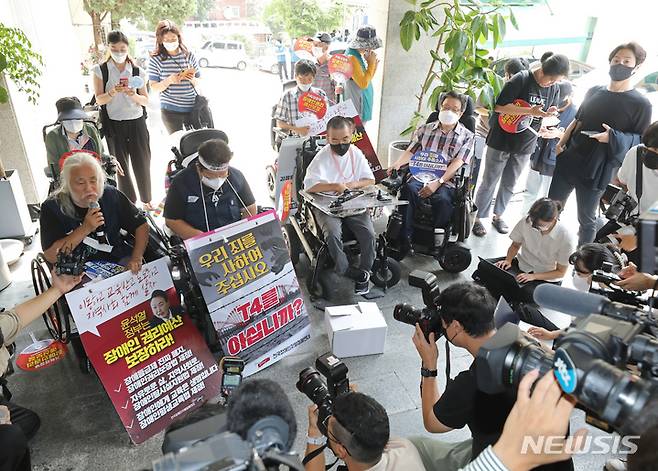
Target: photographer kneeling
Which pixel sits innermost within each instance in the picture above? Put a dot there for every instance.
(85, 213)
(358, 433)
(466, 312)
(17, 424)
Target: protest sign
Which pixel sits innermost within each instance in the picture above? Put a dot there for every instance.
(428, 166)
(41, 354)
(149, 356)
(249, 284)
(312, 103)
(303, 47)
(340, 68)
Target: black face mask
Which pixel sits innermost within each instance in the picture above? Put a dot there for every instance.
(619, 72)
(340, 149)
(649, 158)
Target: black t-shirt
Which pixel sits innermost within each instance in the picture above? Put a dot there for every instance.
(119, 214)
(623, 111)
(184, 197)
(521, 86)
(463, 403)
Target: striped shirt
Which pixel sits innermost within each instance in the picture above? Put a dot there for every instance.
(324, 82)
(485, 461)
(456, 144)
(288, 108)
(178, 96)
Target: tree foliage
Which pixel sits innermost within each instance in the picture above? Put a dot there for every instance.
(19, 62)
(203, 7)
(459, 60)
(301, 17)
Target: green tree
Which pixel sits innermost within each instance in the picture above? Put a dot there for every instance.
(203, 7)
(145, 13)
(459, 59)
(19, 62)
(301, 17)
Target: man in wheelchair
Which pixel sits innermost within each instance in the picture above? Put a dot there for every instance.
(86, 214)
(450, 139)
(208, 193)
(338, 168)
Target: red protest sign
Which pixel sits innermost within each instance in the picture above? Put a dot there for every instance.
(340, 68)
(41, 354)
(151, 359)
(515, 123)
(313, 103)
(303, 47)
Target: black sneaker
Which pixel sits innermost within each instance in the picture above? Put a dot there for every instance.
(478, 229)
(362, 283)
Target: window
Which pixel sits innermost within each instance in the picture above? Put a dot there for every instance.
(232, 46)
(219, 45)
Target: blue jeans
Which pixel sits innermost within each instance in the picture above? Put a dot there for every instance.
(442, 200)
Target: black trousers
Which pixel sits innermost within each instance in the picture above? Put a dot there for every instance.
(521, 300)
(14, 450)
(129, 143)
(175, 120)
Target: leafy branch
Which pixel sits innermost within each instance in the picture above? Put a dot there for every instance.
(19, 62)
(459, 60)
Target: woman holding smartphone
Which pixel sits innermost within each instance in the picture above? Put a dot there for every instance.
(120, 88)
(174, 73)
(608, 123)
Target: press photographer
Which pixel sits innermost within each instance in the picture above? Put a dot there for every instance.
(353, 426)
(18, 424)
(463, 313)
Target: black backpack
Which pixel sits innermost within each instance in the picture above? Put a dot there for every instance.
(106, 127)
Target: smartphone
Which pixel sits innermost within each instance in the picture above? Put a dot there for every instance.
(590, 133)
(123, 81)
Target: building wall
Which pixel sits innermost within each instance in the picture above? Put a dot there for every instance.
(48, 26)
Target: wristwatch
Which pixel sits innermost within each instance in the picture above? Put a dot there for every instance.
(441, 181)
(318, 441)
(425, 373)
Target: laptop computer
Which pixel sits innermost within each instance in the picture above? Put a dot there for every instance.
(504, 276)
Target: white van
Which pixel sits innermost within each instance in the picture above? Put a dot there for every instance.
(223, 53)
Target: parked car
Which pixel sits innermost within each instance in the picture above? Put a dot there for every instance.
(223, 53)
(576, 68)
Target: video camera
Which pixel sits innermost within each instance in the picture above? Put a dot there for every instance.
(621, 205)
(322, 393)
(427, 317)
(590, 360)
(73, 262)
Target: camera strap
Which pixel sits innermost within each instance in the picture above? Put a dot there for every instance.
(448, 378)
(315, 453)
(639, 173)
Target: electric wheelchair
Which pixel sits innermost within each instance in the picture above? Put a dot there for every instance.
(303, 234)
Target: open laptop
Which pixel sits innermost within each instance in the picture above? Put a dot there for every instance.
(503, 276)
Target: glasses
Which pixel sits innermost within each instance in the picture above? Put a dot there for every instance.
(332, 437)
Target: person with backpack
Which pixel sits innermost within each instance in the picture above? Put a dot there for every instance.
(174, 73)
(526, 98)
(120, 89)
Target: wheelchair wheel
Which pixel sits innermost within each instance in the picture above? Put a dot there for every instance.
(385, 275)
(455, 258)
(56, 317)
(271, 182)
(292, 242)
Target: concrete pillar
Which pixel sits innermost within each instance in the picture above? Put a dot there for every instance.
(399, 78)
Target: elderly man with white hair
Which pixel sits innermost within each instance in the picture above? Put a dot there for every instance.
(86, 211)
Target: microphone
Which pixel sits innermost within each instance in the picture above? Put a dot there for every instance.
(581, 304)
(100, 230)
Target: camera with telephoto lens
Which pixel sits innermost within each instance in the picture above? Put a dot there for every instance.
(590, 362)
(322, 393)
(428, 317)
(621, 205)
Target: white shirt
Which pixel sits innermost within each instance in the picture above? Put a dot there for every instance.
(328, 167)
(539, 252)
(121, 107)
(626, 175)
(399, 454)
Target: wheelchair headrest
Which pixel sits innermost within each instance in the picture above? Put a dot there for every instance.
(289, 85)
(190, 142)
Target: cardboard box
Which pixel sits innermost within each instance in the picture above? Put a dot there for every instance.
(355, 330)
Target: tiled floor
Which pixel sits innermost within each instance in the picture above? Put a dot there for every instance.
(81, 430)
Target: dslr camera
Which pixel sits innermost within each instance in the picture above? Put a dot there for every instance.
(73, 262)
(322, 393)
(427, 317)
(590, 362)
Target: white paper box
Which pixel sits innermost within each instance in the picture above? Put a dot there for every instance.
(355, 330)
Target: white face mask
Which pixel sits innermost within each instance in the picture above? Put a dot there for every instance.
(119, 57)
(214, 183)
(448, 117)
(171, 47)
(581, 283)
(74, 126)
(305, 87)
